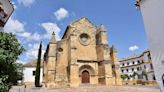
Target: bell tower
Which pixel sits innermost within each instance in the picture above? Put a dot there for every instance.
(102, 35)
(115, 66)
(105, 63)
(51, 64)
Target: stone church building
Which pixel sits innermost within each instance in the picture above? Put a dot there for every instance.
(82, 56)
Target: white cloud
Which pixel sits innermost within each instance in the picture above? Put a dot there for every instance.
(35, 37)
(15, 7)
(32, 52)
(29, 45)
(26, 3)
(61, 14)
(133, 48)
(14, 26)
(51, 27)
(24, 34)
(18, 28)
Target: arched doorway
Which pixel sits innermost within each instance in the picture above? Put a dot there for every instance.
(85, 77)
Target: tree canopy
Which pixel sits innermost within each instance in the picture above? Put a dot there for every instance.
(10, 49)
(37, 73)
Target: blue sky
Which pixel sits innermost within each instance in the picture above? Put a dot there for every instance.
(34, 20)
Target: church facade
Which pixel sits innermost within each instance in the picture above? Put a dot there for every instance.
(82, 56)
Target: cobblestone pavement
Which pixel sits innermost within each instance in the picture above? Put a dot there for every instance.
(89, 89)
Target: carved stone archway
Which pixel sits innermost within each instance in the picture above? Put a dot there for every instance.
(85, 72)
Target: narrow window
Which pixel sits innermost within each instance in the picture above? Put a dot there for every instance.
(33, 73)
(132, 69)
(133, 62)
(138, 61)
(138, 68)
(144, 66)
(151, 66)
(127, 70)
(163, 79)
(154, 77)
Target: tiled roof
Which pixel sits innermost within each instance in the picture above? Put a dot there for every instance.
(32, 64)
(133, 56)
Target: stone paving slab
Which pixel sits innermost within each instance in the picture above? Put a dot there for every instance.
(89, 89)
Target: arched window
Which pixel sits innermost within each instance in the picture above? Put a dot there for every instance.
(138, 61)
(154, 77)
(132, 69)
(144, 66)
(133, 62)
(127, 70)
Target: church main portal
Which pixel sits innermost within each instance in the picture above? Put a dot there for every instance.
(85, 76)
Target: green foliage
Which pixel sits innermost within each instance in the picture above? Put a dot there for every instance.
(144, 73)
(4, 86)
(125, 76)
(10, 49)
(37, 73)
(134, 74)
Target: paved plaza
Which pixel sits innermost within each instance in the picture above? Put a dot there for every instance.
(89, 88)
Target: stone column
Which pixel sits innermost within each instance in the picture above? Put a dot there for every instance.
(74, 70)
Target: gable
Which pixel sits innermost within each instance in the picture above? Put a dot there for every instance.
(78, 25)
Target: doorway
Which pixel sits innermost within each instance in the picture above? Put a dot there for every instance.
(85, 77)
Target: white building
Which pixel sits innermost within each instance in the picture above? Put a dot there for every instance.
(153, 16)
(29, 73)
(136, 67)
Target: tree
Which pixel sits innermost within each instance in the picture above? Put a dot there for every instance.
(37, 73)
(134, 75)
(125, 76)
(4, 86)
(10, 49)
(144, 73)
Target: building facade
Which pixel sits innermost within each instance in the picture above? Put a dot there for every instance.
(153, 17)
(138, 69)
(6, 9)
(29, 73)
(82, 56)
